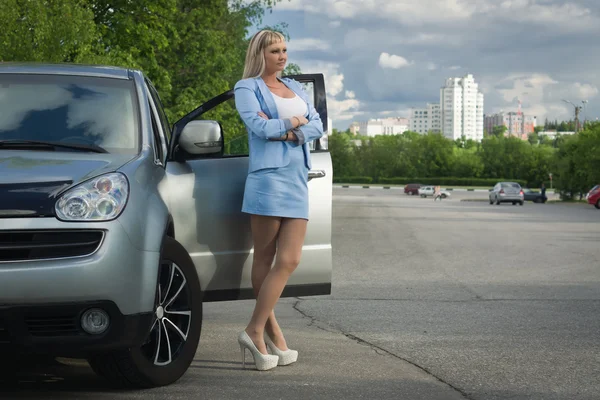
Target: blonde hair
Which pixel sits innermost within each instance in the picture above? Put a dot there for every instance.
(255, 57)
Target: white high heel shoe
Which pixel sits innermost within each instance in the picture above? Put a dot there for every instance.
(285, 357)
(263, 362)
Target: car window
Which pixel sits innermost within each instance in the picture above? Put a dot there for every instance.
(310, 91)
(70, 109)
(164, 121)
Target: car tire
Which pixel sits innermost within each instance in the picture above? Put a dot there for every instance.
(156, 363)
(497, 201)
(444, 196)
(521, 203)
(597, 205)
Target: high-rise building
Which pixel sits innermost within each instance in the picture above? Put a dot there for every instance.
(516, 124)
(383, 126)
(424, 120)
(461, 108)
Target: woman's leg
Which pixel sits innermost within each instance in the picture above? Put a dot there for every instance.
(265, 231)
(289, 251)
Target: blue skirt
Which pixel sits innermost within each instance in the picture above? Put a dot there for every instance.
(279, 192)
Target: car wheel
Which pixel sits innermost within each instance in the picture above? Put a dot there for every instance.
(521, 203)
(444, 196)
(172, 339)
(497, 201)
(597, 205)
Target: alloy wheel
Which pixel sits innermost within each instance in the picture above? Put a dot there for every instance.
(172, 316)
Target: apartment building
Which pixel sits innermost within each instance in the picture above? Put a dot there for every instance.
(382, 126)
(424, 120)
(461, 108)
(517, 124)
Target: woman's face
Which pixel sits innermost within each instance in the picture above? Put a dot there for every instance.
(275, 57)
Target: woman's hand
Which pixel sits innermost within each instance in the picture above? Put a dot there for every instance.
(262, 115)
(302, 120)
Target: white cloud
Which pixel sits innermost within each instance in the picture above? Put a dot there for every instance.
(308, 44)
(431, 66)
(338, 109)
(586, 91)
(566, 16)
(542, 95)
(393, 61)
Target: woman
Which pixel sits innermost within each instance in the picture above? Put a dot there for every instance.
(280, 123)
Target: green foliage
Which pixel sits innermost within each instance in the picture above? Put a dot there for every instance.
(48, 31)
(192, 50)
(353, 179)
(576, 167)
(574, 160)
(449, 181)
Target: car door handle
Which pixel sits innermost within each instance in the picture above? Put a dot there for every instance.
(316, 174)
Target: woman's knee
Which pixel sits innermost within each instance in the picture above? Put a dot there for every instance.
(288, 262)
(265, 256)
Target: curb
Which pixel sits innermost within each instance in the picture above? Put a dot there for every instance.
(401, 188)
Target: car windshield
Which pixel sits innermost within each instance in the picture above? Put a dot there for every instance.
(69, 110)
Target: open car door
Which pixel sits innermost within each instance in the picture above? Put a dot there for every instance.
(207, 170)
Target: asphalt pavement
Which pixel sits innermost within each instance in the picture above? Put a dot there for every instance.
(430, 300)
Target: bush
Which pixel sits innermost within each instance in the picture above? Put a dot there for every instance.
(353, 179)
(450, 181)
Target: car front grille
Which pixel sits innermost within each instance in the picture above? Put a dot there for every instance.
(46, 326)
(4, 336)
(24, 245)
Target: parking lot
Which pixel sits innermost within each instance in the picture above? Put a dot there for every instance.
(431, 300)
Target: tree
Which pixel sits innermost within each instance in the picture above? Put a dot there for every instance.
(50, 31)
(499, 130)
(341, 155)
(576, 164)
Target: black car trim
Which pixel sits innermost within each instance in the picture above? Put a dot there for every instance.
(248, 294)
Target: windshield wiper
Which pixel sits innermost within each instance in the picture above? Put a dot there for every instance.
(36, 144)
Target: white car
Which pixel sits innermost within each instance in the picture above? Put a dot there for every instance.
(425, 191)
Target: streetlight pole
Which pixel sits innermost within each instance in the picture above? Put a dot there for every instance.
(584, 112)
(577, 110)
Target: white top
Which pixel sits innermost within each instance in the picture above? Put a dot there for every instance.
(287, 108)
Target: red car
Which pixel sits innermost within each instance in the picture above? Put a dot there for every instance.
(593, 197)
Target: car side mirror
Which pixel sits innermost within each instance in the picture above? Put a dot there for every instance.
(202, 137)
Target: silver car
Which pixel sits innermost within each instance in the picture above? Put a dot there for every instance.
(507, 192)
(116, 226)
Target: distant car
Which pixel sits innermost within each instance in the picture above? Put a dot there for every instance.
(412, 188)
(593, 196)
(425, 191)
(535, 196)
(507, 192)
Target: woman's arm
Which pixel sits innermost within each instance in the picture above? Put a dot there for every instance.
(248, 107)
(314, 128)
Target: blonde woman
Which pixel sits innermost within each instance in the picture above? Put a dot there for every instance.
(280, 123)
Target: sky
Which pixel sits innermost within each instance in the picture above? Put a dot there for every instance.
(380, 58)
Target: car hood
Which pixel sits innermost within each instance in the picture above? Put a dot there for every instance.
(31, 181)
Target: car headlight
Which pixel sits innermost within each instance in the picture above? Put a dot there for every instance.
(100, 199)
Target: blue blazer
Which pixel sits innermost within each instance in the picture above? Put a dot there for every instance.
(251, 96)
